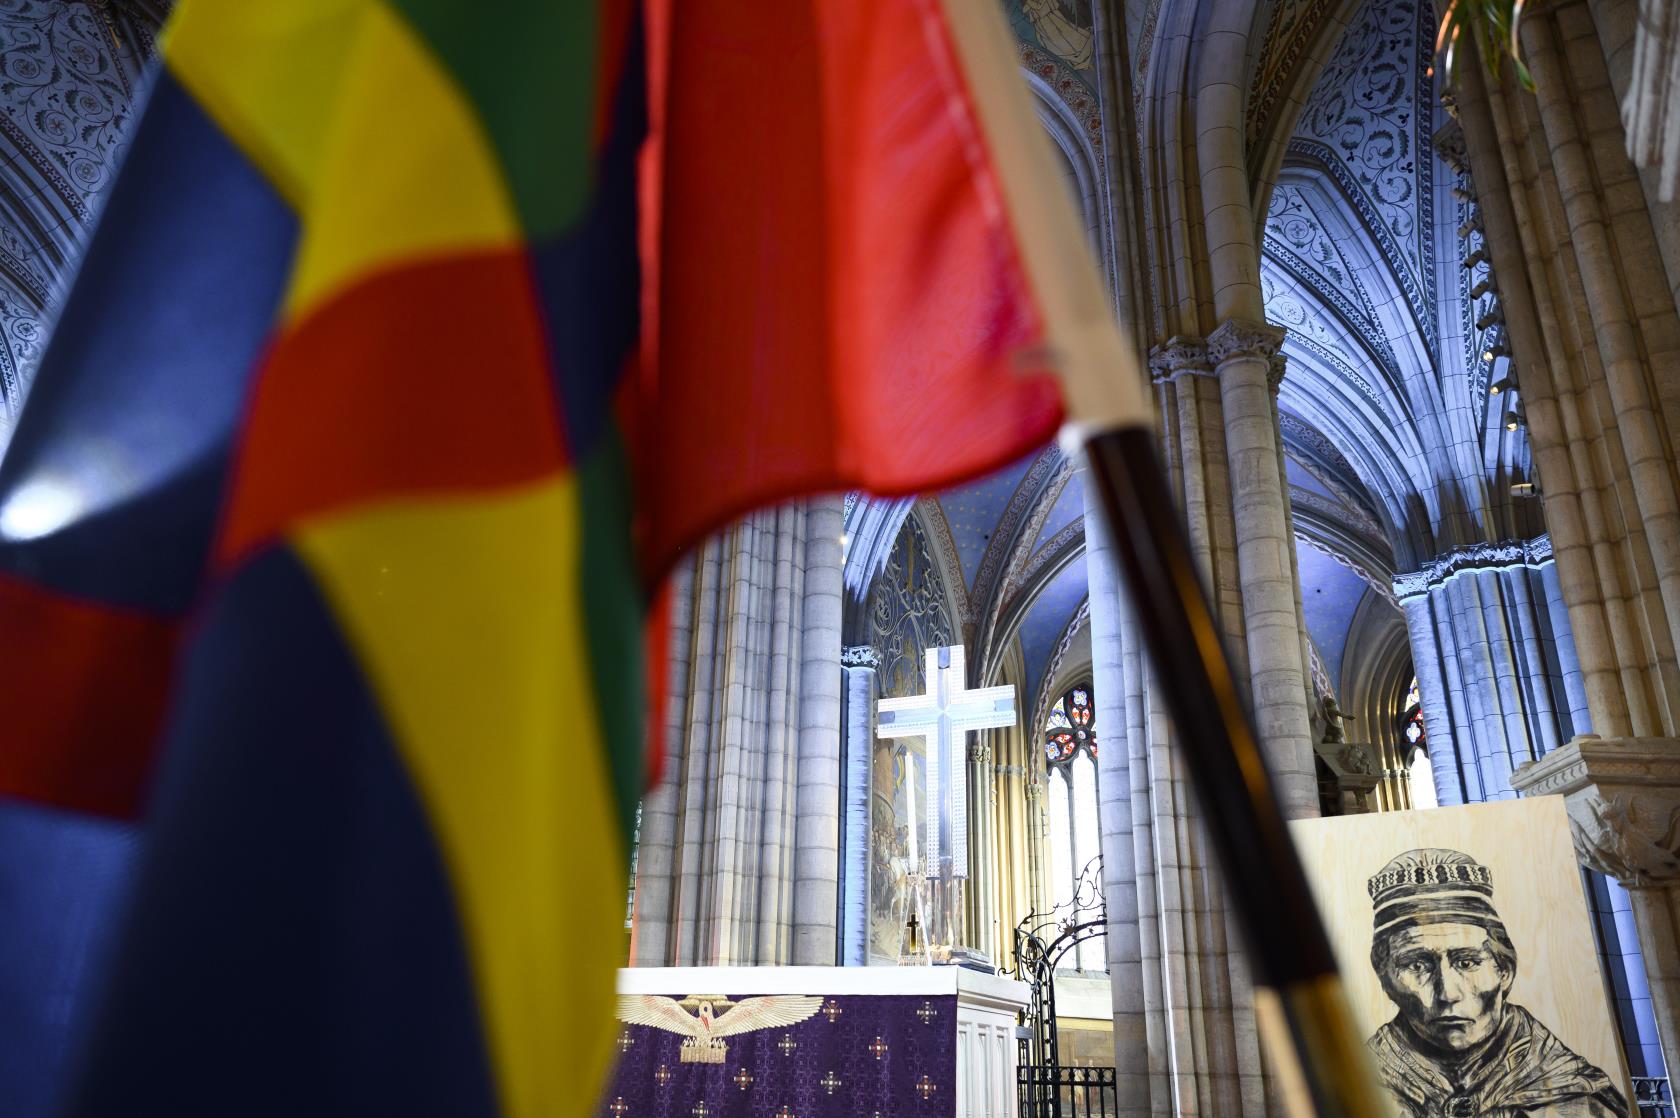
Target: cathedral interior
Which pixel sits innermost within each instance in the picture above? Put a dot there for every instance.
(1415, 349)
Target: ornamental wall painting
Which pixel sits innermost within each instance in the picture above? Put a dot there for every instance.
(900, 772)
(1464, 940)
(909, 613)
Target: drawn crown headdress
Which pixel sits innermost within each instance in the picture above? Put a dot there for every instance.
(1432, 886)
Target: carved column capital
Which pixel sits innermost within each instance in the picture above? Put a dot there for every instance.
(860, 656)
(1274, 376)
(1408, 584)
(1240, 337)
(1474, 557)
(1178, 356)
(1623, 798)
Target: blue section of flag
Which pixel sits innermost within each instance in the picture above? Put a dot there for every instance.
(590, 276)
(62, 879)
(294, 947)
(111, 485)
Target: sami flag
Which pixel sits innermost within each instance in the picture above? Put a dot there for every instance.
(321, 529)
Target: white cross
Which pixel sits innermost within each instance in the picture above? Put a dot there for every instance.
(942, 718)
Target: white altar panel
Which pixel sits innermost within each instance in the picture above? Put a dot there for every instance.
(988, 1008)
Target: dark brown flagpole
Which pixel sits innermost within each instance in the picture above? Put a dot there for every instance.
(1289, 950)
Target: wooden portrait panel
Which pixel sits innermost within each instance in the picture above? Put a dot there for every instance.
(1536, 894)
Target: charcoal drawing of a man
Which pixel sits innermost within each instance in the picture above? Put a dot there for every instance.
(1458, 1047)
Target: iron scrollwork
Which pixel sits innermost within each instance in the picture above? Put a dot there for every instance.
(1042, 941)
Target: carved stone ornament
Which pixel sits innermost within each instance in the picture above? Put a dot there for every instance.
(1623, 799)
(860, 656)
(1178, 356)
(1475, 557)
(1274, 374)
(1357, 759)
(1411, 584)
(1239, 337)
(1449, 142)
(979, 753)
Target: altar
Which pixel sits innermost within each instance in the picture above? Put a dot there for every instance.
(814, 1042)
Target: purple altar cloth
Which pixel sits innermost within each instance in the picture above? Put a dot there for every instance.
(858, 1057)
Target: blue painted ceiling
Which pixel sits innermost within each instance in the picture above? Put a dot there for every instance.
(974, 510)
(1299, 475)
(1046, 620)
(1070, 506)
(1330, 593)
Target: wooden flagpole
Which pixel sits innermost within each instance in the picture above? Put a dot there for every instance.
(1288, 948)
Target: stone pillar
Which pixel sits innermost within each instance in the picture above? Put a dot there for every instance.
(861, 666)
(1126, 896)
(1242, 353)
(1623, 798)
(1413, 592)
(1018, 830)
(1593, 325)
(656, 848)
(740, 859)
(1493, 664)
(1037, 882)
(816, 890)
(1274, 380)
(976, 908)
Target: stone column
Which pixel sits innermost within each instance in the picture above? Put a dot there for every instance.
(976, 909)
(1242, 353)
(1493, 664)
(740, 860)
(1122, 890)
(651, 931)
(1274, 380)
(816, 890)
(861, 666)
(1623, 798)
(1413, 592)
(1017, 831)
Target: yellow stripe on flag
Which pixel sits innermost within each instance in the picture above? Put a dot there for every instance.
(408, 171)
(466, 616)
(268, 72)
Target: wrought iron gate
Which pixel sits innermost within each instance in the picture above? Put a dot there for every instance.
(1045, 1086)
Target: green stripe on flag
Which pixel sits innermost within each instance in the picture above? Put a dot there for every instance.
(529, 68)
(613, 616)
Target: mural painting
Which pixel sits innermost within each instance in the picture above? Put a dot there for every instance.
(1062, 27)
(908, 614)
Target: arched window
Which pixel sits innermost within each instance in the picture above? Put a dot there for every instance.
(1411, 722)
(1070, 753)
(1420, 773)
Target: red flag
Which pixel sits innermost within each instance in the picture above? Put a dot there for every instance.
(868, 273)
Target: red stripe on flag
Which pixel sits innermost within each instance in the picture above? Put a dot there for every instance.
(83, 695)
(616, 19)
(841, 300)
(429, 378)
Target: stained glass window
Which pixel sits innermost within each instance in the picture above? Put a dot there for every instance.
(1415, 753)
(1070, 727)
(1411, 721)
(1070, 752)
